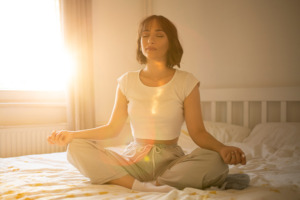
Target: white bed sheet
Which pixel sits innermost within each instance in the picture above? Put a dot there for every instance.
(274, 173)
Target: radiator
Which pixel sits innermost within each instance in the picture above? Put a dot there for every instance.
(25, 140)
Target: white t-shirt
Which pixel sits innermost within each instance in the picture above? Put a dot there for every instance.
(156, 113)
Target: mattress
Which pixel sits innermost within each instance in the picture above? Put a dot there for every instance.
(273, 164)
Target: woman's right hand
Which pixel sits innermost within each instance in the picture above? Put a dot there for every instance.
(61, 138)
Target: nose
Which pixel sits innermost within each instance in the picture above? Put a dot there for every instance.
(151, 39)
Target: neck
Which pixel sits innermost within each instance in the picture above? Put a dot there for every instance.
(154, 75)
(155, 67)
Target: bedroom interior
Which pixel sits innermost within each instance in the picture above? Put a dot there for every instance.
(246, 55)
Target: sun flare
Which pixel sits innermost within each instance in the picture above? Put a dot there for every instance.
(32, 53)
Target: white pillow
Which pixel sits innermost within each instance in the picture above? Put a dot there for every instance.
(223, 132)
(276, 135)
(226, 133)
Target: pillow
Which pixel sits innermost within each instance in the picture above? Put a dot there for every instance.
(223, 132)
(226, 133)
(275, 134)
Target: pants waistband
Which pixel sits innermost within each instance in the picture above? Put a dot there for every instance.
(156, 142)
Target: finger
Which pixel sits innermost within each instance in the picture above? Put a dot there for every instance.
(238, 158)
(233, 158)
(49, 140)
(244, 160)
(57, 136)
(52, 137)
(54, 134)
(227, 158)
(60, 138)
(243, 157)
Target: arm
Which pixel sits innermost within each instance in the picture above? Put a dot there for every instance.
(111, 129)
(197, 131)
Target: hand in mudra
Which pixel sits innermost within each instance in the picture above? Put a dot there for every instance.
(233, 155)
(60, 137)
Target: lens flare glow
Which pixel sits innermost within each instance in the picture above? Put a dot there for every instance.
(32, 53)
(155, 101)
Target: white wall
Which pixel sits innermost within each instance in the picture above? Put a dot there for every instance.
(238, 43)
(232, 43)
(115, 24)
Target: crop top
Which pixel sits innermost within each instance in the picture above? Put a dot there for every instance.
(156, 113)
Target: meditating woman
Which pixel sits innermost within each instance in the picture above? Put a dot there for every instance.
(157, 99)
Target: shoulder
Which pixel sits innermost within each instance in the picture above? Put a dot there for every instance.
(186, 81)
(128, 75)
(184, 75)
(126, 80)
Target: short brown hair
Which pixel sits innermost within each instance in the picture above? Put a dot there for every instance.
(175, 51)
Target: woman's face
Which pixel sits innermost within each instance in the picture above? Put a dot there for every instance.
(154, 42)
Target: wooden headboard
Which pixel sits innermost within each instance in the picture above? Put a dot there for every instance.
(250, 106)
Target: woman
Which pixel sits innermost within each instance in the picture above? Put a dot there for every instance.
(157, 99)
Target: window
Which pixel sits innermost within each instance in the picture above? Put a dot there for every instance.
(31, 50)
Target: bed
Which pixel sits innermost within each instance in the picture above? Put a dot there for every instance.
(264, 122)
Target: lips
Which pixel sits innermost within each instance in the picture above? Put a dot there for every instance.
(150, 49)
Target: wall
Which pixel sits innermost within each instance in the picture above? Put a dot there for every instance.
(115, 24)
(233, 43)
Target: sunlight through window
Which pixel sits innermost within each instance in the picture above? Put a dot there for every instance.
(31, 50)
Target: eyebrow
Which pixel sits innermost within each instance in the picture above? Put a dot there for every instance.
(157, 30)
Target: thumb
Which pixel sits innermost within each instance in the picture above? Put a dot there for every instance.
(227, 158)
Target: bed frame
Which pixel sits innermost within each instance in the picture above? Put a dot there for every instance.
(250, 106)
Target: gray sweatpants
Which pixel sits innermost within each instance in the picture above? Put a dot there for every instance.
(146, 162)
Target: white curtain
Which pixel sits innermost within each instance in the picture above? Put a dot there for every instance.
(76, 20)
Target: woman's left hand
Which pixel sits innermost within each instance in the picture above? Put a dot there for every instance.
(233, 155)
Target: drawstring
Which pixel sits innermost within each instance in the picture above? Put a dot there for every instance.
(133, 148)
(155, 150)
(142, 149)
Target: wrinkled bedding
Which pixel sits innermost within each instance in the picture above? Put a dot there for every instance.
(272, 150)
